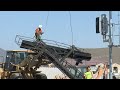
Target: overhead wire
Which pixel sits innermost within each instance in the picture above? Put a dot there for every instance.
(71, 32)
(71, 26)
(46, 21)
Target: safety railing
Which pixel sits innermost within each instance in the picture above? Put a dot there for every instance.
(18, 41)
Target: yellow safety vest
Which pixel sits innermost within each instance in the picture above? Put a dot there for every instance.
(88, 75)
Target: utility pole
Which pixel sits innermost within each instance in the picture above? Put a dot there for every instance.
(106, 28)
(110, 46)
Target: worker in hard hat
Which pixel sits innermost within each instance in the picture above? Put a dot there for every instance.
(38, 33)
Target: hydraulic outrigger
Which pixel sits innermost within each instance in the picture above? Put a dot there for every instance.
(55, 54)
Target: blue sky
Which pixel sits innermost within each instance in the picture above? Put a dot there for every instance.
(24, 23)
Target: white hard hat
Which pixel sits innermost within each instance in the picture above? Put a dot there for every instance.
(40, 26)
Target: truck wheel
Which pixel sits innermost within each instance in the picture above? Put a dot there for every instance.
(40, 76)
(16, 76)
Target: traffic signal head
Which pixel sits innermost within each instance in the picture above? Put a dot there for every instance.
(97, 25)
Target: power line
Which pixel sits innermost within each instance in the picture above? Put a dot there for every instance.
(46, 21)
(71, 27)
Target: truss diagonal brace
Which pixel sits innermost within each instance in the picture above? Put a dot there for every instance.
(67, 55)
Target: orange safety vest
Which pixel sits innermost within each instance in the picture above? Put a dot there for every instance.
(38, 31)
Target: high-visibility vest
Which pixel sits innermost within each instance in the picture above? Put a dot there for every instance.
(88, 75)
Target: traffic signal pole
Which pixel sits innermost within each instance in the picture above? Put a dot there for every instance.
(105, 25)
(110, 46)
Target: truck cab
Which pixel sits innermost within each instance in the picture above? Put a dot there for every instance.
(15, 57)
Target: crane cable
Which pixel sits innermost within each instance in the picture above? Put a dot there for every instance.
(46, 21)
(71, 33)
(70, 24)
(71, 27)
